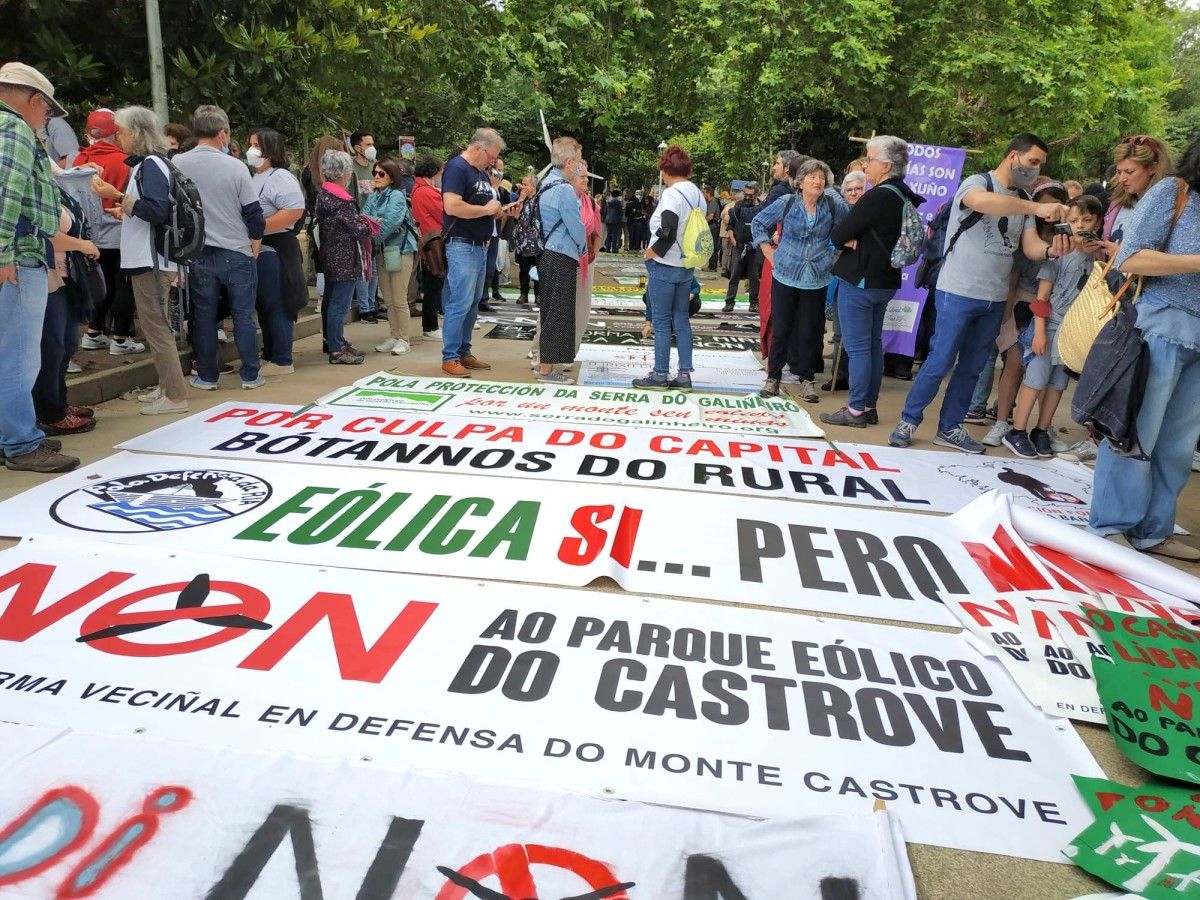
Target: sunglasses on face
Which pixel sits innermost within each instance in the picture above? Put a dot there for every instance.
(381, 174)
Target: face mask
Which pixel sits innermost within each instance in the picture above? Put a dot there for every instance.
(1023, 177)
(369, 154)
(225, 150)
(254, 158)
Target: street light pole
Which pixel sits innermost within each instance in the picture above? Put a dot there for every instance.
(158, 71)
(662, 145)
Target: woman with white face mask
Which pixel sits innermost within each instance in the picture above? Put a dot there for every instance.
(282, 291)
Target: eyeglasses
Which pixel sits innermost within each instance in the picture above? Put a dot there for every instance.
(379, 174)
(872, 159)
(1143, 140)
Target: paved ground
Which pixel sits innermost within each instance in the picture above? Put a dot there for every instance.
(940, 873)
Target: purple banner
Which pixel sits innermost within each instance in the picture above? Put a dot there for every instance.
(933, 173)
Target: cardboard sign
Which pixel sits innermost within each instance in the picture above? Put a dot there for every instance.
(296, 827)
(750, 550)
(725, 371)
(572, 403)
(856, 474)
(742, 711)
(1147, 843)
(1151, 690)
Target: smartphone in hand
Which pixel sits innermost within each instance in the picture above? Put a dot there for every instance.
(1063, 228)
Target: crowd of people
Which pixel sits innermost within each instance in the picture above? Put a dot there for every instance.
(83, 264)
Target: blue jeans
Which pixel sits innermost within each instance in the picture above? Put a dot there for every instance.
(338, 295)
(364, 293)
(966, 328)
(236, 272)
(1137, 497)
(860, 313)
(466, 265)
(668, 288)
(987, 377)
(22, 310)
(60, 337)
(274, 320)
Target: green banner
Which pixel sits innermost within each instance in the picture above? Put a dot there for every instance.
(1151, 691)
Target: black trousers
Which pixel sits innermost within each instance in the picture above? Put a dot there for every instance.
(525, 263)
(797, 330)
(117, 306)
(431, 299)
(744, 262)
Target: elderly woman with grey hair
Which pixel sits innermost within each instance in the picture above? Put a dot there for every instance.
(866, 277)
(345, 251)
(146, 203)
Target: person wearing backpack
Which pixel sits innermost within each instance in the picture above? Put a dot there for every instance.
(867, 272)
(801, 264)
(992, 217)
(145, 204)
(234, 226)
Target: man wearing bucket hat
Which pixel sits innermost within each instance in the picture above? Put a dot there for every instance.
(29, 217)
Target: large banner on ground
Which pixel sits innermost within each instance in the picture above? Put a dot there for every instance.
(293, 827)
(675, 410)
(727, 371)
(740, 549)
(858, 474)
(742, 711)
(933, 173)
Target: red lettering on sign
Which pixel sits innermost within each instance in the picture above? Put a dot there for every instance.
(21, 619)
(511, 864)
(1102, 581)
(356, 661)
(1010, 569)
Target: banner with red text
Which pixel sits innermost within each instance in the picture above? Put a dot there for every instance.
(787, 468)
(738, 710)
(198, 823)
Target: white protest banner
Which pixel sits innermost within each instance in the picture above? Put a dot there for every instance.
(859, 474)
(741, 549)
(729, 371)
(294, 827)
(743, 711)
(673, 410)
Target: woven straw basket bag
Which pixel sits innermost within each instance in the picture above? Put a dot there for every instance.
(1090, 312)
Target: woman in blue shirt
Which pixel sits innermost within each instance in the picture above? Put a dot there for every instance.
(802, 261)
(1135, 496)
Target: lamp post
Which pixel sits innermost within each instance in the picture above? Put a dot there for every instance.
(662, 145)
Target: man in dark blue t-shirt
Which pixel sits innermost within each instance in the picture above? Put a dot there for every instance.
(470, 208)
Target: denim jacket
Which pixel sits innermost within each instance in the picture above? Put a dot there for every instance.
(396, 227)
(804, 257)
(562, 223)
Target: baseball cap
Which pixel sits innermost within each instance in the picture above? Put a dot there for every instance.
(101, 123)
(28, 76)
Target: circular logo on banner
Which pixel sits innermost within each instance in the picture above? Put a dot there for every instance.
(160, 501)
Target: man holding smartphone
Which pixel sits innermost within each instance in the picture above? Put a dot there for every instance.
(992, 216)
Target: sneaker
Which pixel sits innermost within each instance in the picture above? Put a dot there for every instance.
(958, 439)
(164, 407)
(1174, 549)
(435, 335)
(977, 415)
(770, 388)
(653, 381)
(400, 348)
(125, 347)
(728, 307)
(995, 435)
(844, 417)
(1057, 444)
(554, 377)
(369, 317)
(872, 416)
(43, 459)
(258, 382)
(385, 346)
(222, 369)
(455, 368)
(74, 368)
(347, 356)
(200, 384)
(1020, 444)
(68, 424)
(150, 396)
(1085, 451)
(485, 308)
(790, 377)
(754, 307)
(902, 434)
(681, 382)
(808, 392)
(523, 300)
(48, 443)
(993, 413)
(1041, 442)
(473, 362)
(93, 341)
(84, 412)
(269, 368)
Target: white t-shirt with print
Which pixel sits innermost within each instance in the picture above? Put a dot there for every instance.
(680, 198)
